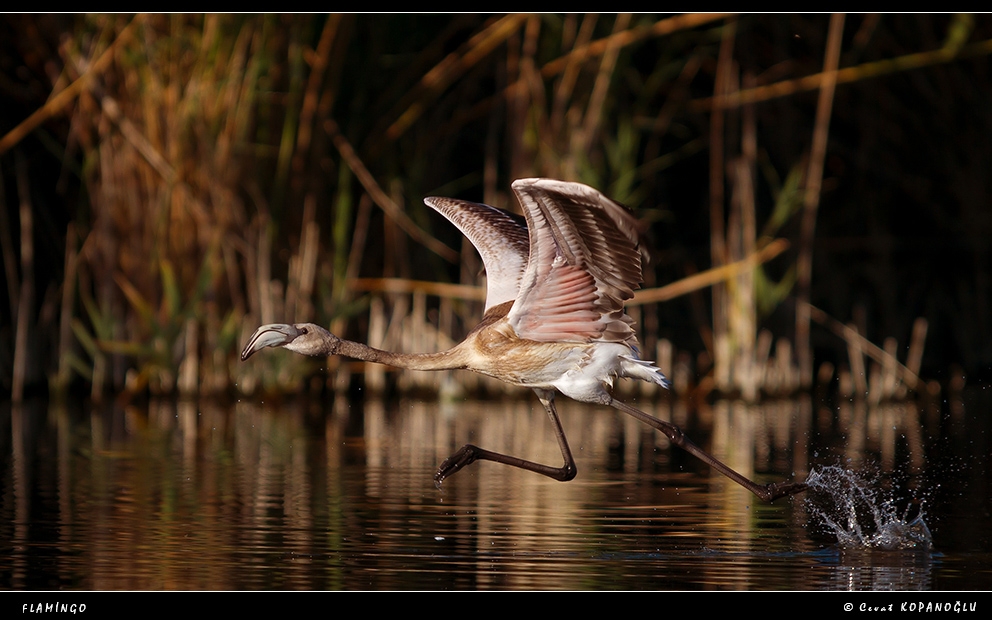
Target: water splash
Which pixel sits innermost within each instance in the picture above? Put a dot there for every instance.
(855, 510)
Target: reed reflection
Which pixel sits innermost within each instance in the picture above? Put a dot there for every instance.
(297, 494)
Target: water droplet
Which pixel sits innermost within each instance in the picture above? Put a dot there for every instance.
(852, 507)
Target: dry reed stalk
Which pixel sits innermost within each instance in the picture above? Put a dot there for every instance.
(814, 177)
(847, 75)
(399, 309)
(570, 73)
(389, 207)
(303, 266)
(454, 65)
(745, 374)
(582, 140)
(402, 285)
(664, 354)
(890, 380)
(845, 384)
(341, 294)
(266, 303)
(762, 349)
(581, 53)
(742, 310)
(875, 388)
(718, 236)
(824, 375)
(787, 371)
(850, 334)
(681, 376)
(25, 297)
(450, 388)
(318, 62)
(58, 102)
(709, 277)
(416, 336)
(65, 312)
(7, 250)
(532, 99)
(491, 155)
(914, 358)
(359, 238)
(856, 355)
(189, 367)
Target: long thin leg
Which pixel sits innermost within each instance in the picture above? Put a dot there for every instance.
(469, 454)
(767, 492)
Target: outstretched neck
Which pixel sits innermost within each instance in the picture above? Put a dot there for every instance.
(445, 360)
(310, 339)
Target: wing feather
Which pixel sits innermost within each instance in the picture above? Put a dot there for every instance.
(500, 238)
(584, 264)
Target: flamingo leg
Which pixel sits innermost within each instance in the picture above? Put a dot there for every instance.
(469, 453)
(767, 492)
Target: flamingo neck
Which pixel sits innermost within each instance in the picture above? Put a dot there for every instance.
(445, 360)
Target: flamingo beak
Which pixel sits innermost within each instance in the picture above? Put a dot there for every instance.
(274, 335)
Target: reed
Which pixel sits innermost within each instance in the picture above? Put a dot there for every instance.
(244, 169)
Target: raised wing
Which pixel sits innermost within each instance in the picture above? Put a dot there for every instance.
(584, 264)
(501, 239)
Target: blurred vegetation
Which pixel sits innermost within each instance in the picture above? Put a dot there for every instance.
(169, 182)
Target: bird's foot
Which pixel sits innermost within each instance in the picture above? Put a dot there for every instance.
(466, 455)
(781, 489)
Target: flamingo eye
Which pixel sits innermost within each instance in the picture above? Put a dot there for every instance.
(304, 330)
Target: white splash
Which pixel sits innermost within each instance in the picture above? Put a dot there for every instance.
(854, 509)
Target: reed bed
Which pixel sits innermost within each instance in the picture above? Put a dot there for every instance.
(243, 169)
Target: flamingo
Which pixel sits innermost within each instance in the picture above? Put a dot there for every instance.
(554, 318)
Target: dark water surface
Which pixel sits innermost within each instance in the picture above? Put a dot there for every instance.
(297, 494)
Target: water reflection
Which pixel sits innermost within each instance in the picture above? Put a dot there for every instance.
(294, 494)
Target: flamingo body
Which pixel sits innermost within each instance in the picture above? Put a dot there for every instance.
(554, 318)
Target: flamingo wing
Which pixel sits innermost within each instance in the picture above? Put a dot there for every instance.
(501, 239)
(584, 264)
